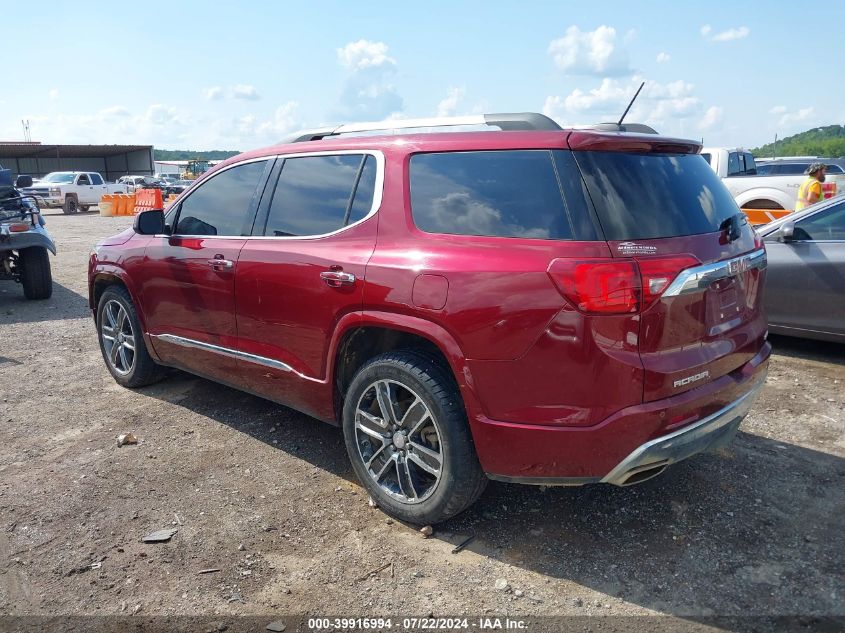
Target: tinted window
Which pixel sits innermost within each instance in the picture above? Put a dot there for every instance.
(83, 180)
(792, 169)
(749, 168)
(765, 169)
(707, 157)
(834, 169)
(314, 194)
(501, 194)
(222, 205)
(363, 201)
(733, 164)
(96, 179)
(643, 196)
(824, 225)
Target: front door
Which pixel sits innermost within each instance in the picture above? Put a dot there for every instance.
(304, 270)
(188, 297)
(807, 275)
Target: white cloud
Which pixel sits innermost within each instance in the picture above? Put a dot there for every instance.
(732, 34)
(164, 126)
(54, 94)
(449, 105)
(725, 36)
(662, 58)
(664, 105)
(213, 94)
(712, 117)
(589, 52)
(114, 111)
(778, 110)
(368, 92)
(790, 118)
(158, 114)
(284, 121)
(245, 91)
(364, 54)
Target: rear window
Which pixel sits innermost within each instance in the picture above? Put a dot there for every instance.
(508, 193)
(647, 196)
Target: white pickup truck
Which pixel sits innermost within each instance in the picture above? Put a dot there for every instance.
(763, 198)
(73, 191)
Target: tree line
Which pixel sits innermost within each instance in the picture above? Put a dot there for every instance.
(828, 142)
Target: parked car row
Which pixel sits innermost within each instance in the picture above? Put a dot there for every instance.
(72, 191)
(770, 185)
(168, 186)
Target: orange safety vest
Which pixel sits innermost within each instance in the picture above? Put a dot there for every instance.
(804, 193)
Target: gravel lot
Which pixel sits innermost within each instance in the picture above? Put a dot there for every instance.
(265, 495)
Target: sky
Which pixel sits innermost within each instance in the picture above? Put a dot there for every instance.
(240, 75)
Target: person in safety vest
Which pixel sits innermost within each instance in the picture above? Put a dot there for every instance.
(810, 191)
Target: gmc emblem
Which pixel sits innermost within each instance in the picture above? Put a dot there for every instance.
(737, 266)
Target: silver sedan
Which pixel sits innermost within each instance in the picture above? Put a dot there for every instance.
(805, 284)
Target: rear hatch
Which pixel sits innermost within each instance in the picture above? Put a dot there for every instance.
(701, 265)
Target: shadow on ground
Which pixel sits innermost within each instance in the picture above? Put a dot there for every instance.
(753, 529)
(808, 349)
(63, 304)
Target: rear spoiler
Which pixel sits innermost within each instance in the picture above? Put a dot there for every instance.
(601, 141)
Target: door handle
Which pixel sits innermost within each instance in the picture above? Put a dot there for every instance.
(337, 278)
(218, 263)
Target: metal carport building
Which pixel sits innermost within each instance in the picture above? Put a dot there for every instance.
(112, 161)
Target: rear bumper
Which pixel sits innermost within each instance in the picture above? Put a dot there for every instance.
(714, 431)
(632, 445)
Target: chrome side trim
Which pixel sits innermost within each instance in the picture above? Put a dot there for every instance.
(378, 193)
(232, 353)
(700, 277)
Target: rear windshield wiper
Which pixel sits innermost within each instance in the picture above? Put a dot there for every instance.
(732, 226)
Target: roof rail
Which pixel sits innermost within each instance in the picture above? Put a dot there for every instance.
(505, 121)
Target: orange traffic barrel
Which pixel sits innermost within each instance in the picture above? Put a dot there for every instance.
(106, 205)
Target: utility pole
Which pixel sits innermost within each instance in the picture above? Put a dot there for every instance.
(775, 147)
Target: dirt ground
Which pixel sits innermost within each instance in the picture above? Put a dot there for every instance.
(266, 496)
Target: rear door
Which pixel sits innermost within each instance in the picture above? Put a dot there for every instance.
(304, 269)
(702, 271)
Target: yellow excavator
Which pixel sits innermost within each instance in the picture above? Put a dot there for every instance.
(194, 169)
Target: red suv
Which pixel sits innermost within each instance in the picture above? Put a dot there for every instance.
(529, 304)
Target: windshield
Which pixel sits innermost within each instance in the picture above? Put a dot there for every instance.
(59, 177)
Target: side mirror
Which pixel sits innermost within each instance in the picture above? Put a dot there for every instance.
(787, 232)
(149, 222)
(23, 182)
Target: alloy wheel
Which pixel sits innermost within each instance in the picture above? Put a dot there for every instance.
(118, 337)
(398, 441)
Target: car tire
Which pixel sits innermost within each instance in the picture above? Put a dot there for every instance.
(70, 206)
(426, 399)
(36, 276)
(118, 324)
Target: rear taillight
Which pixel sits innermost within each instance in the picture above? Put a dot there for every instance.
(616, 286)
(19, 227)
(599, 286)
